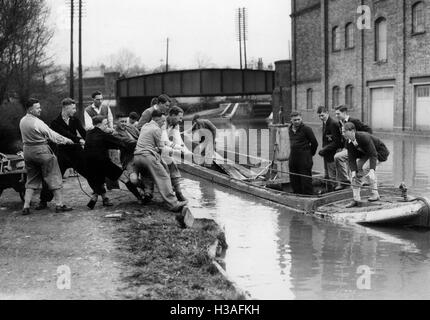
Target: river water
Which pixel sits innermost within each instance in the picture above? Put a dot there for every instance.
(276, 254)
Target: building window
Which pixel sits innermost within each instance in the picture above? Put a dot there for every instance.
(336, 94)
(418, 17)
(309, 99)
(336, 39)
(349, 36)
(381, 42)
(349, 96)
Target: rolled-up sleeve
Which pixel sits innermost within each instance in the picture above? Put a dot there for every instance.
(49, 133)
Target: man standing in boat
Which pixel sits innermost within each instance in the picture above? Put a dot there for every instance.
(365, 152)
(332, 142)
(341, 158)
(303, 146)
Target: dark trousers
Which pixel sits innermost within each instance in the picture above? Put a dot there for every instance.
(301, 163)
(67, 159)
(98, 171)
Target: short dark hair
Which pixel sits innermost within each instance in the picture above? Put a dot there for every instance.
(349, 126)
(322, 109)
(154, 101)
(96, 93)
(134, 116)
(98, 119)
(31, 102)
(295, 114)
(342, 108)
(174, 111)
(164, 98)
(196, 117)
(68, 102)
(157, 114)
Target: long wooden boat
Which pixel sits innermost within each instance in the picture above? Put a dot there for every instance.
(392, 209)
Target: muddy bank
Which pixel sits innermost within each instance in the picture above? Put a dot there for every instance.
(142, 256)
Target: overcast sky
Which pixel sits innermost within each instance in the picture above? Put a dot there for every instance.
(205, 27)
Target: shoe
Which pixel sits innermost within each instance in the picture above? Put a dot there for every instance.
(107, 203)
(63, 208)
(91, 204)
(41, 206)
(374, 198)
(180, 206)
(26, 212)
(146, 200)
(353, 204)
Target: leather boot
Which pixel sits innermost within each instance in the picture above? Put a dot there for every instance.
(132, 188)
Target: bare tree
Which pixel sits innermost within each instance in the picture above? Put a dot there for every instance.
(203, 61)
(126, 62)
(24, 36)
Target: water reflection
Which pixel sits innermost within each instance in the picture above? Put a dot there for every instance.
(277, 254)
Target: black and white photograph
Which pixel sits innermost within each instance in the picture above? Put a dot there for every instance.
(235, 151)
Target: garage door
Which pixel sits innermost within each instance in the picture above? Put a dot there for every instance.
(382, 115)
(422, 103)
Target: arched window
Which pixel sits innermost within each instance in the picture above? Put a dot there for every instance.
(381, 41)
(349, 96)
(349, 36)
(336, 94)
(418, 17)
(309, 99)
(336, 38)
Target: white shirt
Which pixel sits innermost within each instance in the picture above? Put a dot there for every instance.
(89, 120)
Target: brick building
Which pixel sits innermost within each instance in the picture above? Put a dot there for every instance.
(381, 72)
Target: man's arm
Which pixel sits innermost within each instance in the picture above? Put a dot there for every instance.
(144, 119)
(336, 142)
(80, 128)
(352, 157)
(360, 126)
(88, 121)
(55, 137)
(366, 143)
(312, 140)
(110, 118)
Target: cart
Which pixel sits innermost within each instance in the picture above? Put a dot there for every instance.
(12, 173)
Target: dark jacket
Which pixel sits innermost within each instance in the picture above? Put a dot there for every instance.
(129, 135)
(71, 130)
(303, 140)
(98, 143)
(359, 126)
(368, 147)
(332, 139)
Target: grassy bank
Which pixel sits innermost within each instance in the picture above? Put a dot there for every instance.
(168, 262)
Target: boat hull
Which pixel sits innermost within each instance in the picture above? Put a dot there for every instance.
(330, 206)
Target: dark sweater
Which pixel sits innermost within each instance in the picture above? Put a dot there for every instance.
(303, 140)
(98, 144)
(332, 139)
(368, 147)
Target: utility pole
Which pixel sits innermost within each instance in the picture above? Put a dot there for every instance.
(72, 66)
(239, 34)
(167, 56)
(81, 98)
(245, 33)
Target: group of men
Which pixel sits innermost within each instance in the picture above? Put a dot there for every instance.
(144, 143)
(350, 150)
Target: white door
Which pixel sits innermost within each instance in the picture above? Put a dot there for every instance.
(382, 108)
(422, 107)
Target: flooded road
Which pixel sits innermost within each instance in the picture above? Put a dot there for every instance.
(278, 254)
